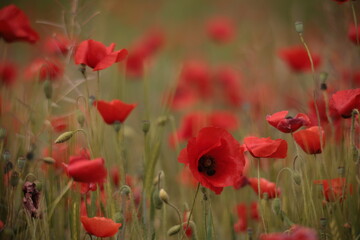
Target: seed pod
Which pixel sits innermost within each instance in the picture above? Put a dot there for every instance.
(163, 195)
(174, 230)
(146, 126)
(299, 27)
(80, 118)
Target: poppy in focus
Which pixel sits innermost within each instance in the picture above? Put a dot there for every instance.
(309, 139)
(287, 124)
(85, 170)
(266, 147)
(113, 111)
(100, 226)
(346, 101)
(215, 158)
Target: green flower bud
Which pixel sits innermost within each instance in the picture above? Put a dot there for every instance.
(48, 90)
(174, 230)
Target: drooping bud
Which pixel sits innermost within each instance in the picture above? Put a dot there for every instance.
(66, 136)
(125, 190)
(276, 206)
(158, 203)
(80, 118)
(299, 27)
(164, 196)
(146, 126)
(174, 230)
(297, 177)
(48, 160)
(48, 89)
(162, 120)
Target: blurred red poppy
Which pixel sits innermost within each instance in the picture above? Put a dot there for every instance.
(96, 55)
(215, 158)
(221, 29)
(287, 124)
(183, 97)
(341, 1)
(346, 101)
(57, 45)
(59, 154)
(100, 226)
(8, 73)
(309, 139)
(265, 187)
(85, 170)
(334, 189)
(295, 233)
(266, 147)
(241, 224)
(44, 69)
(352, 33)
(15, 25)
(113, 111)
(60, 123)
(322, 108)
(297, 58)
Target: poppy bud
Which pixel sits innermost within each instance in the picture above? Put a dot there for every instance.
(146, 126)
(297, 178)
(158, 203)
(80, 118)
(276, 206)
(48, 89)
(174, 230)
(14, 179)
(8, 167)
(164, 196)
(6, 155)
(117, 125)
(299, 27)
(2, 133)
(65, 137)
(21, 162)
(125, 190)
(48, 160)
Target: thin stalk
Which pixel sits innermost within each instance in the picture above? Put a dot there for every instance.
(192, 209)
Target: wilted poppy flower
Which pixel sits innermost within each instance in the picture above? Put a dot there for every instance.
(97, 56)
(8, 73)
(113, 111)
(297, 58)
(31, 199)
(57, 44)
(265, 187)
(334, 189)
(44, 69)
(230, 84)
(309, 139)
(287, 124)
(85, 170)
(100, 226)
(15, 26)
(346, 101)
(221, 29)
(352, 34)
(266, 147)
(215, 158)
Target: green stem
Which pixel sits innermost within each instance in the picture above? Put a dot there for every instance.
(58, 199)
(192, 208)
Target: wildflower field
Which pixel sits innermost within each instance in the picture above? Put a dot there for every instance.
(182, 119)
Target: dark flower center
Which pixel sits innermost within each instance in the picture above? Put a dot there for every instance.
(207, 165)
(289, 117)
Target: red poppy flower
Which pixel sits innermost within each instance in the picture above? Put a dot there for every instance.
(85, 170)
(135, 63)
(287, 124)
(266, 147)
(345, 101)
(97, 56)
(309, 139)
(297, 58)
(352, 33)
(334, 189)
(113, 111)
(321, 105)
(44, 69)
(230, 83)
(242, 223)
(8, 73)
(57, 45)
(221, 29)
(265, 187)
(60, 124)
(254, 211)
(215, 158)
(295, 233)
(100, 226)
(15, 26)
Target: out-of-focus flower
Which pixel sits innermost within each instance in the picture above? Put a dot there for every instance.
(341, 1)
(215, 158)
(266, 147)
(8, 73)
(295, 233)
(220, 29)
(310, 139)
(1, 225)
(334, 189)
(265, 187)
(321, 106)
(287, 124)
(85, 170)
(297, 58)
(100, 226)
(243, 211)
(59, 154)
(31, 199)
(113, 111)
(15, 25)
(44, 69)
(60, 123)
(183, 97)
(96, 55)
(57, 45)
(352, 33)
(346, 101)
